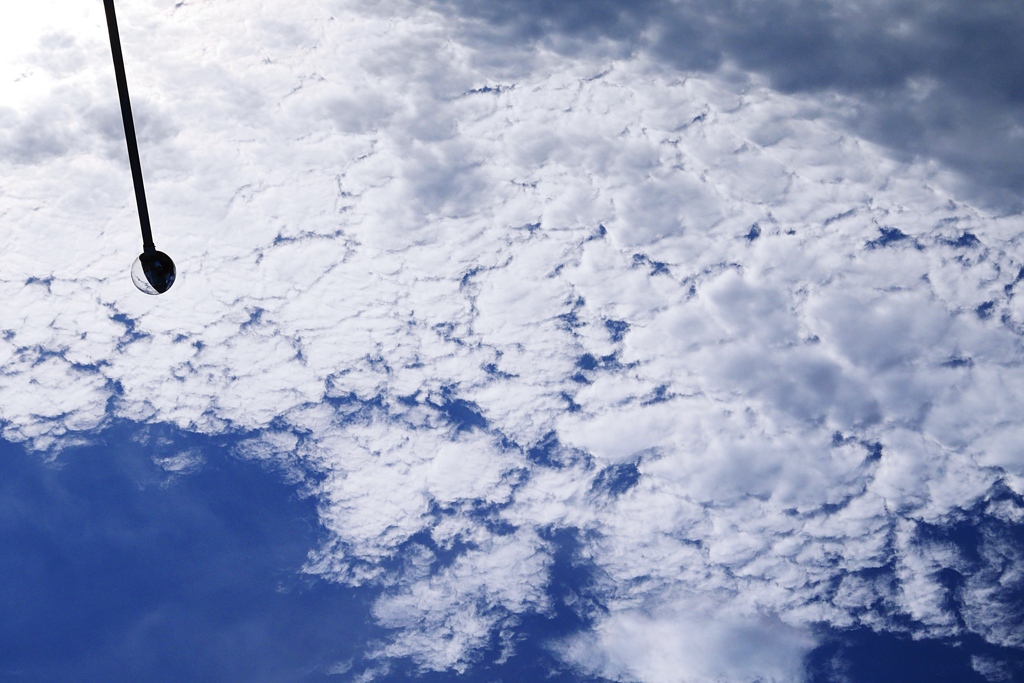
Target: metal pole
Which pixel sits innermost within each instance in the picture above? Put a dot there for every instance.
(129, 128)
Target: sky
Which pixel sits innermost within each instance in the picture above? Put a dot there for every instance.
(652, 342)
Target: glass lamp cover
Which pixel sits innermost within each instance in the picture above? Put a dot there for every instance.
(153, 272)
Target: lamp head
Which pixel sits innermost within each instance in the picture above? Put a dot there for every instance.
(153, 272)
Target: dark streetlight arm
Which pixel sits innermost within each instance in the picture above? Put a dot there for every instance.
(129, 128)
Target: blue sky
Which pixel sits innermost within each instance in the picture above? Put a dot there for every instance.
(642, 342)
(115, 569)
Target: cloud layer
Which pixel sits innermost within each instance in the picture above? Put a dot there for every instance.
(930, 80)
(472, 299)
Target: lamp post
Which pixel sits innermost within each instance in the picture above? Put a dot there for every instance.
(153, 271)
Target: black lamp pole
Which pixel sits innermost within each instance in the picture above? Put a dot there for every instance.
(157, 267)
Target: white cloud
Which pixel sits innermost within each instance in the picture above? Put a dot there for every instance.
(995, 588)
(993, 670)
(444, 617)
(406, 278)
(185, 462)
(679, 647)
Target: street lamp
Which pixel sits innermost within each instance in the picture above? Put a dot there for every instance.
(153, 272)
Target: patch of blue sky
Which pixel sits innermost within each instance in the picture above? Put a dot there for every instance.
(865, 656)
(115, 568)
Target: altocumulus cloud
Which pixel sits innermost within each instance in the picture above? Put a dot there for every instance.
(935, 81)
(752, 363)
